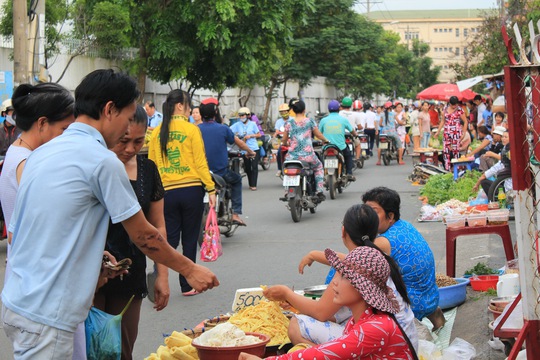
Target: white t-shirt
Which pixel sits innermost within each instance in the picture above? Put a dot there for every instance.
(355, 118)
(479, 117)
(371, 120)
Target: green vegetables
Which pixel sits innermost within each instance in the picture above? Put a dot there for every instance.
(481, 269)
(441, 188)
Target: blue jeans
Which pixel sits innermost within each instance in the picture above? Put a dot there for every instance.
(348, 160)
(425, 139)
(235, 181)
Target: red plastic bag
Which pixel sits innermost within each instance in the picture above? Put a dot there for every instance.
(211, 247)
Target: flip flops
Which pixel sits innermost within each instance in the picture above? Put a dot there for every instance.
(192, 292)
(239, 223)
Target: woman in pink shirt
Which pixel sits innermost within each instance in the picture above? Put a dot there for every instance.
(372, 332)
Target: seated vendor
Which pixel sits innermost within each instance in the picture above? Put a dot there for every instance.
(502, 167)
(491, 156)
(486, 143)
(361, 285)
(466, 142)
(323, 320)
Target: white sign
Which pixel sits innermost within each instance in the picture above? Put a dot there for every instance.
(246, 297)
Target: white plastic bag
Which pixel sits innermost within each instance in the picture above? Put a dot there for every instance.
(459, 349)
(428, 350)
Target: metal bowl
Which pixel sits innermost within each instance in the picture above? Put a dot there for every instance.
(317, 290)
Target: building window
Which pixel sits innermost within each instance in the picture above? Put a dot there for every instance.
(436, 49)
(451, 49)
(450, 30)
(457, 32)
(465, 51)
(457, 51)
(465, 32)
(445, 49)
(445, 30)
(435, 30)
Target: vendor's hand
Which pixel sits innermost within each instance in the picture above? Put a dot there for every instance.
(246, 356)
(307, 260)
(201, 278)
(276, 293)
(161, 292)
(475, 187)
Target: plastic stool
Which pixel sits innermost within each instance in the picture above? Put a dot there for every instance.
(453, 233)
(456, 166)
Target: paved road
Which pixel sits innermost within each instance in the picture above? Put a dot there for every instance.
(268, 250)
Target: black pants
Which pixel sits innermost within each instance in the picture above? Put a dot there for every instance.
(371, 136)
(348, 160)
(183, 209)
(251, 166)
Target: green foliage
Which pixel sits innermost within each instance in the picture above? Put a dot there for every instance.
(481, 269)
(111, 25)
(441, 188)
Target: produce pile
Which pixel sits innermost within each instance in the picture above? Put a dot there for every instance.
(441, 188)
(178, 346)
(481, 269)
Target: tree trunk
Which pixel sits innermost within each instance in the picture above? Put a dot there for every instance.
(141, 76)
(269, 96)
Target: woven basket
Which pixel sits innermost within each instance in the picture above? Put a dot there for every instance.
(193, 333)
(212, 322)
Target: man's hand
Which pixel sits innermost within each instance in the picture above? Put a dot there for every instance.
(250, 153)
(201, 278)
(107, 273)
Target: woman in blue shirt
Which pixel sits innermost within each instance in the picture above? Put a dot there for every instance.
(248, 131)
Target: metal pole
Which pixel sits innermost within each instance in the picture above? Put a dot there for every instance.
(20, 36)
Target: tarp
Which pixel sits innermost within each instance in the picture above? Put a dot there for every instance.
(468, 83)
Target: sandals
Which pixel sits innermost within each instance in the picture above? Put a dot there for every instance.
(192, 292)
(378, 163)
(402, 163)
(238, 222)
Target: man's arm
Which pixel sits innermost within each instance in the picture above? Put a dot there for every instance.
(151, 243)
(242, 145)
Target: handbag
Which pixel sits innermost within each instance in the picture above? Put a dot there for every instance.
(211, 247)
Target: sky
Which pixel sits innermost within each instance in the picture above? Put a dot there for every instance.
(389, 5)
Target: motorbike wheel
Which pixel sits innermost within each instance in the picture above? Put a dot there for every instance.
(495, 186)
(332, 186)
(386, 157)
(295, 205)
(265, 163)
(313, 210)
(360, 162)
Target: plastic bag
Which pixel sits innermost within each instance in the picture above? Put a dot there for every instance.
(211, 247)
(104, 334)
(427, 350)
(459, 349)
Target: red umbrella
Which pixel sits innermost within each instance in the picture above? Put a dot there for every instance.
(443, 92)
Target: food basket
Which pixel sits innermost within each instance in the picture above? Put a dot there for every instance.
(455, 221)
(498, 217)
(478, 219)
(232, 353)
(193, 333)
(453, 295)
(484, 282)
(212, 322)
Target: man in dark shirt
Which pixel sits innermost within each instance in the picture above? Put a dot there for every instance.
(216, 137)
(10, 132)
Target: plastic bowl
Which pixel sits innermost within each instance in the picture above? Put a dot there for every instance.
(498, 217)
(232, 353)
(484, 282)
(453, 295)
(495, 313)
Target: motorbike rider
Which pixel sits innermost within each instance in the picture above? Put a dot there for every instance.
(388, 126)
(300, 129)
(250, 134)
(333, 128)
(279, 128)
(10, 131)
(356, 119)
(216, 137)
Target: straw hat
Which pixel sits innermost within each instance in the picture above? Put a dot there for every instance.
(368, 271)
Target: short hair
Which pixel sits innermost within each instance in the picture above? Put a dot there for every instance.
(483, 129)
(500, 114)
(387, 199)
(101, 86)
(453, 100)
(478, 97)
(48, 100)
(298, 106)
(150, 104)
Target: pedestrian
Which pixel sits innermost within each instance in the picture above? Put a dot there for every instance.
(10, 132)
(248, 131)
(279, 128)
(177, 148)
(453, 134)
(113, 297)
(70, 188)
(424, 125)
(154, 117)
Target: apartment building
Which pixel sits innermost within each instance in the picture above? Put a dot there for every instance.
(446, 31)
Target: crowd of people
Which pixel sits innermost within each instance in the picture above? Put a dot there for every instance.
(119, 204)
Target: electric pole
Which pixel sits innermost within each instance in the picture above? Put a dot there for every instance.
(368, 3)
(20, 41)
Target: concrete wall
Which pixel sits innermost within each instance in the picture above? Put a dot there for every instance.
(316, 96)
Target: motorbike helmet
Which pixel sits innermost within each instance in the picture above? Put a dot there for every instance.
(333, 106)
(357, 105)
(283, 107)
(6, 106)
(367, 106)
(346, 102)
(209, 101)
(387, 104)
(244, 110)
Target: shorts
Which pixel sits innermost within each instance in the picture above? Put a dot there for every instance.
(320, 332)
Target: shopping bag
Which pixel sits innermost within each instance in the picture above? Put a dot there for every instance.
(211, 247)
(104, 334)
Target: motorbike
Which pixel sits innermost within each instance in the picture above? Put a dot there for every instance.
(364, 147)
(334, 170)
(266, 146)
(223, 209)
(236, 160)
(389, 150)
(299, 183)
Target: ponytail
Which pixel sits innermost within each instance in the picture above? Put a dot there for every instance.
(174, 97)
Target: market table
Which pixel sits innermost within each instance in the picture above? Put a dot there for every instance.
(457, 163)
(432, 155)
(453, 233)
